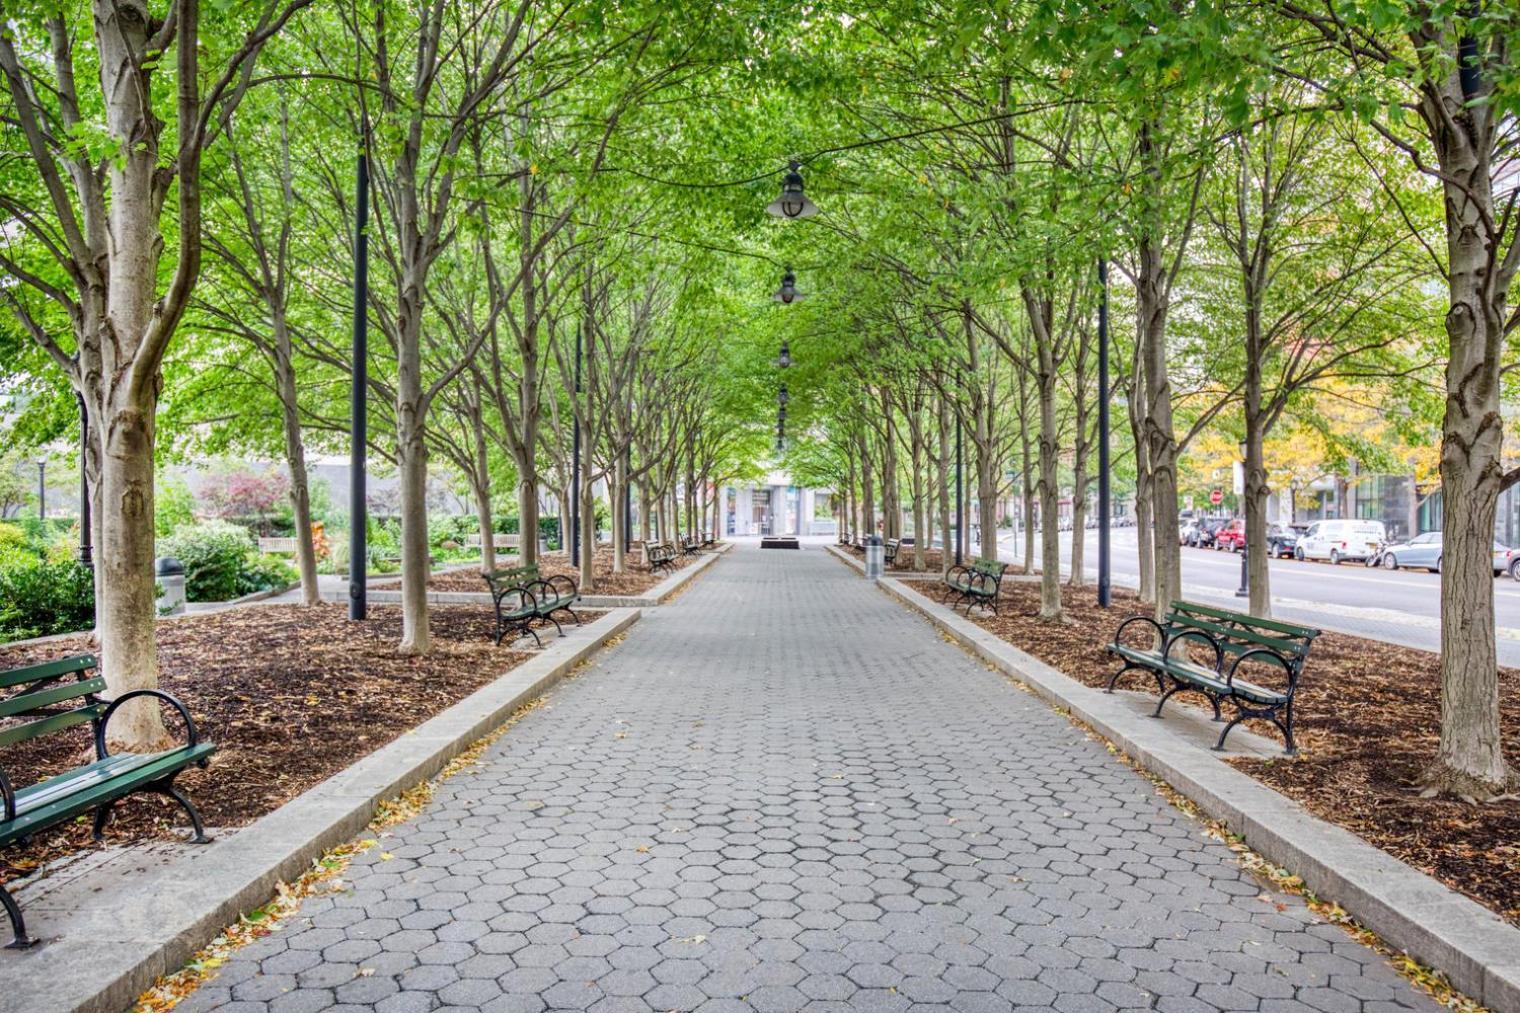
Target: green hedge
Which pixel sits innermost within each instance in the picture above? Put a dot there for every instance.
(222, 563)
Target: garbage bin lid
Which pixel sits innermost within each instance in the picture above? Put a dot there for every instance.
(167, 566)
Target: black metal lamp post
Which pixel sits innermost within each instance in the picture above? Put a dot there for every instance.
(358, 508)
(785, 359)
(1244, 591)
(788, 293)
(792, 203)
(575, 462)
(1105, 561)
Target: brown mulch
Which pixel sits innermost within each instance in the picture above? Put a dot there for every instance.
(635, 581)
(933, 559)
(1367, 722)
(290, 696)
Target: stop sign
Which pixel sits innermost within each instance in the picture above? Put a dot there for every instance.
(1216, 497)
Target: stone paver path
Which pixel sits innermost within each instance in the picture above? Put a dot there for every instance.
(783, 792)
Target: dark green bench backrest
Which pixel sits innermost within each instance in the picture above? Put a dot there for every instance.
(49, 697)
(1238, 632)
(511, 575)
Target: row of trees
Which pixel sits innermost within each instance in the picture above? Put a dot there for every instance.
(1289, 199)
(179, 200)
(1301, 208)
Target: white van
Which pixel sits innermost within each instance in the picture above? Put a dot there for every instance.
(1336, 540)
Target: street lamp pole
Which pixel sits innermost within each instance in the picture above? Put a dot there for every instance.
(358, 407)
(1105, 563)
(86, 549)
(41, 489)
(627, 497)
(1244, 591)
(575, 461)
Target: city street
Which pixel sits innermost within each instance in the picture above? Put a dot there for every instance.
(1399, 606)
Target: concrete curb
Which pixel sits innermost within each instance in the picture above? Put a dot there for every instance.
(142, 928)
(649, 599)
(1476, 949)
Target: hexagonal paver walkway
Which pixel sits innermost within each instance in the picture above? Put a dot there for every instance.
(783, 792)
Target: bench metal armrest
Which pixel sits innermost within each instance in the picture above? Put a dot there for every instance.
(9, 795)
(1166, 655)
(958, 568)
(1265, 652)
(1160, 630)
(100, 727)
(572, 589)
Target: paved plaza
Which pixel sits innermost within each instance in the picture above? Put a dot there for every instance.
(784, 792)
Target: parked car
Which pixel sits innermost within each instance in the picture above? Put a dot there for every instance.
(1281, 541)
(1206, 531)
(1424, 552)
(1231, 537)
(1340, 539)
(1186, 529)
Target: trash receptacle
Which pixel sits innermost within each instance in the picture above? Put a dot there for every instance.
(874, 557)
(170, 575)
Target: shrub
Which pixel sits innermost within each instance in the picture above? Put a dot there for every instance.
(215, 554)
(263, 573)
(40, 598)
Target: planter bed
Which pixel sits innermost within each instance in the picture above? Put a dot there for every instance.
(1367, 723)
(290, 695)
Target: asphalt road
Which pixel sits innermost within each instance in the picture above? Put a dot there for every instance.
(1400, 606)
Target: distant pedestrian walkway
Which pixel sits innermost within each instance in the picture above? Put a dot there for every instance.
(783, 792)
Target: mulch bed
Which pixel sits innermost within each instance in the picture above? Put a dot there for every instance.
(290, 696)
(933, 559)
(1367, 721)
(634, 582)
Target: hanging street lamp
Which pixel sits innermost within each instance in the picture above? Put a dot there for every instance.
(786, 356)
(788, 293)
(792, 203)
(783, 397)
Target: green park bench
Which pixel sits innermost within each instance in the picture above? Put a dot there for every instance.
(56, 695)
(1233, 637)
(662, 556)
(521, 597)
(977, 584)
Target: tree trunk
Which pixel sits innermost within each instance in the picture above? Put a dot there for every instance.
(1258, 574)
(619, 518)
(867, 492)
(1050, 531)
(126, 606)
(295, 455)
(1470, 759)
(1144, 516)
(1160, 439)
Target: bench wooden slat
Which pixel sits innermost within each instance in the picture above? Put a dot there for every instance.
(47, 670)
(1276, 625)
(24, 702)
(57, 722)
(93, 793)
(1224, 632)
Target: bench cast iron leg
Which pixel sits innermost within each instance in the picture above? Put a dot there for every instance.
(1113, 680)
(102, 817)
(20, 940)
(169, 788)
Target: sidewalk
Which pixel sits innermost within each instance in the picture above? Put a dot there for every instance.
(784, 792)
